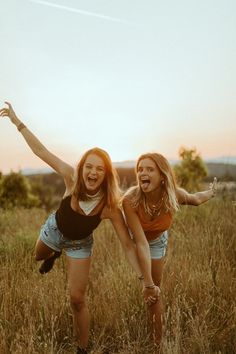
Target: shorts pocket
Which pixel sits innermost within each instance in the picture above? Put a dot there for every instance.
(164, 238)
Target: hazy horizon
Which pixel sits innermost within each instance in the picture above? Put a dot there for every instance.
(44, 168)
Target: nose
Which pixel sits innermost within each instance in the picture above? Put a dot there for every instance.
(93, 171)
(143, 173)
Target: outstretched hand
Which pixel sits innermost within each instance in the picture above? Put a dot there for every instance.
(8, 112)
(152, 295)
(213, 186)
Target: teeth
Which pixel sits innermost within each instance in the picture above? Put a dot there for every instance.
(92, 181)
(145, 181)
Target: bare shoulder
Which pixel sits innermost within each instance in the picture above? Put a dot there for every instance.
(128, 206)
(126, 200)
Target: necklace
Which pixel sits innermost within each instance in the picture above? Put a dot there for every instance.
(154, 209)
(97, 195)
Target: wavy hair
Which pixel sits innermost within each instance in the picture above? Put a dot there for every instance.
(110, 184)
(137, 196)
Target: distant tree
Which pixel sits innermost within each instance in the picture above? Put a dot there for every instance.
(191, 170)
(15, 191)
(43, 191)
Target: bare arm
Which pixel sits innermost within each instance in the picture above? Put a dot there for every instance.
(62, 168)
(127, 244)
(141, 241)
(131, 251)
(196, 198)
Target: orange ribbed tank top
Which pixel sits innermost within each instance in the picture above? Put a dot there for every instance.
(153, 228)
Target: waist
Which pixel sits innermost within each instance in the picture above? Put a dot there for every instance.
(158, 238)
(153, 235)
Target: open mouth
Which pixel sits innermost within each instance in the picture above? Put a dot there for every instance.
(145, 182)
(92, 180)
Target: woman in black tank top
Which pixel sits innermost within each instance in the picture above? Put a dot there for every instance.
(71, 224)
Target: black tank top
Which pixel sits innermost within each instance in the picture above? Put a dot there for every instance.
(73, 225)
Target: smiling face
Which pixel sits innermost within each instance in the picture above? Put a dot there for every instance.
(93, 173)
(149, 175)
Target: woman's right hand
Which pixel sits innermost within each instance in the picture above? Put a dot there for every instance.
(151, 295)
(9, 112)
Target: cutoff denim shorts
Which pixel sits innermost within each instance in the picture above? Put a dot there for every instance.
(158, 246)
(53, 238)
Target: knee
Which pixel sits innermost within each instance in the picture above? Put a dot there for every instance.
(38, 257)
(41, 257)
(77, 300)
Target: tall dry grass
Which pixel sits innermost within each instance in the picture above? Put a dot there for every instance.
(198, 289)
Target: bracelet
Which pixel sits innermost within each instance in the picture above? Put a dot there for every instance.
(141, 277)
(21, 126)
(151, 286)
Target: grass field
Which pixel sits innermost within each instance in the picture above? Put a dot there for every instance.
(199, 289)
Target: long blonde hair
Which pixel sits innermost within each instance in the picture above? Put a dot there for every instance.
(137, 196)
(110, 184)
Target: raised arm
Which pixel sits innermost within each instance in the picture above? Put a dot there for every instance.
(62, 168)
(196, 198)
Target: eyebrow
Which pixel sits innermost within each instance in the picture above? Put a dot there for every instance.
(89, 163)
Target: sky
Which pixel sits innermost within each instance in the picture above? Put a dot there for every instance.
(127, 76)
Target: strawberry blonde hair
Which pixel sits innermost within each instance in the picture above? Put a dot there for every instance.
(110, 184)
(137, 196)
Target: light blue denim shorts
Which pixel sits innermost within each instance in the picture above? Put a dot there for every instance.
(158, 246)
(53, 238)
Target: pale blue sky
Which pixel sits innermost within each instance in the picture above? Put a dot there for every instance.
(128, 76)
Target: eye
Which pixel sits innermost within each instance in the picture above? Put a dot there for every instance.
(140, 169)
(150, 169)
(100, 169)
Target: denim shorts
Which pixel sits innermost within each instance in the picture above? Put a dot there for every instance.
(158, 246)
(53, 238)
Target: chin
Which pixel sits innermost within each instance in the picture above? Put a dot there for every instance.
(92, 189)
(148, 190)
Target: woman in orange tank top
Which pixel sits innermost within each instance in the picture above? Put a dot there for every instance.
(149, 209)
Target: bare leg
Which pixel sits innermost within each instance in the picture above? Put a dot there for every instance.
(156, 310)
(42, 251)
(78, 273)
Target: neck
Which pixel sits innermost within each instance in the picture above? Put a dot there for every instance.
(154, 196)
(93, 193)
